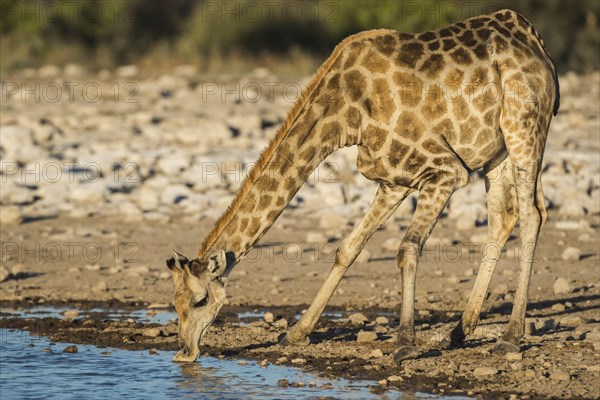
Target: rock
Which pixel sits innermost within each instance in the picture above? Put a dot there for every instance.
(330, 221)
(366, 336)
(485, 371)
(315, 237)
(281, 323)
(283, 383)
(269, 317)
(571, 254)
(10, 215)
(71, 314)
(391, 244)
(363, 257)
(155, 306)
(377, 353)
(513, 356)
(558, 307)
(562, 286)
(560, 376)
(298, 360)
(127, 71)
(152, 332)
(100, 287)
(394, 378)
(382, 320)
(500, 289)
(153, 352)
(454, 280)
(4, 273)
(282, 360)
(49, 71)
(358, 319)
(71, 349)
(88, 193)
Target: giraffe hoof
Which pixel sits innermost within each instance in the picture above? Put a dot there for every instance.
(503, 347)
(405, 352)
(286, 341)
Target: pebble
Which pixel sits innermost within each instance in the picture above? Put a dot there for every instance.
(377, 353)
(358, 319)
(366, 336)
(485, 371)
(394, 378)
(453, 280)
(382, 320)
(513, 356)
(560, 376)
(562, 286)
(152, 332)
(282, 360)
(500, 289)
(100, 287)
(298, 360)
(283, 383)
(71, 314)
(153, 351)
(70, 349)
(10, 215)
(558, 307)
(571, 254)
(269, 317)
(281, 323)
(4, 273)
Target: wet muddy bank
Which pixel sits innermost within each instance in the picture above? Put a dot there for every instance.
(562, 355)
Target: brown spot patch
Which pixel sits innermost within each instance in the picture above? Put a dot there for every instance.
(460, 108)
(445, 129)
(449, 44)
(410, 87)
(433, 146)
(461, 56)
(415, 161)
(427, 36)
(374, 137)
(380, 102)
(433, 65)
(491, 118)
(355, 84)
(334, 81)
(522, 37)
(409, 126)
(468, 129)
(485, 100)
(265, 201)
(266, 184)
(353, 117)
(454, 79)
(397, 152)
(433, 46)
(446, 32)
(477, 23)
(435, 103)
(481, 51)
(231, 227)
(484, 33)
(280, 201)
(479, 77)
(375, 63)
(330, 132)
(308, 154)
(386, 44)
(409, 54)
(468, 38)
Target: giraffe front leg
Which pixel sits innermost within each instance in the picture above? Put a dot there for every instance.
(386, 201)
(433, 197)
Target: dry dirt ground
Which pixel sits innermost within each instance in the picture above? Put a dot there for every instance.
(104, 262)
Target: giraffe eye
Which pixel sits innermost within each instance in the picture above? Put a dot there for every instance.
(201, 303)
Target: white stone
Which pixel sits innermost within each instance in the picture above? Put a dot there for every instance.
(127, 71)
(269, 317)
(315, 237)
(562, 286)
(4, 273)
(358, 319)
(173, 164)
(485, 371)
(366, 336)
(88, 193)
(377, 353)
(391, 244)
(10, 215)
(571, 254)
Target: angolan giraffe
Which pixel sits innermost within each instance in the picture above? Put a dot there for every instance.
(425, 110)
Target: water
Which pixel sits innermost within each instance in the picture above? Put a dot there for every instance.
(31, 373)
(27, 371)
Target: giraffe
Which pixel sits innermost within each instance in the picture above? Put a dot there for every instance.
(425, 110)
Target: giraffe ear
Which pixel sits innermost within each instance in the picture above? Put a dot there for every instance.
(179, 262)
(217, 263)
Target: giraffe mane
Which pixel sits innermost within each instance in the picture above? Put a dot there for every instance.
(281, 133)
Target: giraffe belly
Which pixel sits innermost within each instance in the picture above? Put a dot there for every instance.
(476, 155)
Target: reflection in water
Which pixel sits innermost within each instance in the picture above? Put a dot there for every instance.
(33, 372)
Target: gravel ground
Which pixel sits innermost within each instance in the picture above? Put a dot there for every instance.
(96, 189)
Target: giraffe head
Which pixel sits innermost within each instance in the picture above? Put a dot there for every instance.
(199, 295)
